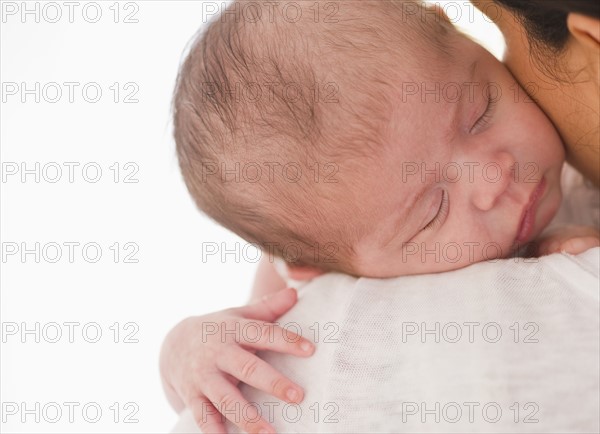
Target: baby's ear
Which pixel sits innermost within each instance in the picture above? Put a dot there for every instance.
(584, 29)
(303, 272)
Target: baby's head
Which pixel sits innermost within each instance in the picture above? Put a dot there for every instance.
(366, 137)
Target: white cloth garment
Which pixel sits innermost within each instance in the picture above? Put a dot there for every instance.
(390, 352)
(504, 346)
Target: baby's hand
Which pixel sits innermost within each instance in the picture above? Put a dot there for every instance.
(204, 358)
(570, 239)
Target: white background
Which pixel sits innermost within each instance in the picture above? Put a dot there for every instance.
(170, 279)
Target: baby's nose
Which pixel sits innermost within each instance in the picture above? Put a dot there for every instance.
(493, 180)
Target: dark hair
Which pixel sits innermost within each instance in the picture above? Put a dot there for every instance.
(546, 20)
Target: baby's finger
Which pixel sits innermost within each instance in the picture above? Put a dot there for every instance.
(257, 335)
(547, 247)
(270, 307)
(228, 400)
(257, 373)
(575, 246)
(206, 416)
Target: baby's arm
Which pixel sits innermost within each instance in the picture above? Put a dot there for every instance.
(272, 273)
(267, 280)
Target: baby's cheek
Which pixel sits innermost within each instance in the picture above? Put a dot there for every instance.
(545, 145)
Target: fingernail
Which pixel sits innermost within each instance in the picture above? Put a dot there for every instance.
(292, 394)
(580, 245)
(305, 346)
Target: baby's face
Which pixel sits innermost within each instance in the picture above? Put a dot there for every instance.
(461, 180)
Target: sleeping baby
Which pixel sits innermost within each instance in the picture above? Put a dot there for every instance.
(370, 138)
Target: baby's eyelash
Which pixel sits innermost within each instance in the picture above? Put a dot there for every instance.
(441, 214)
(487, 115)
